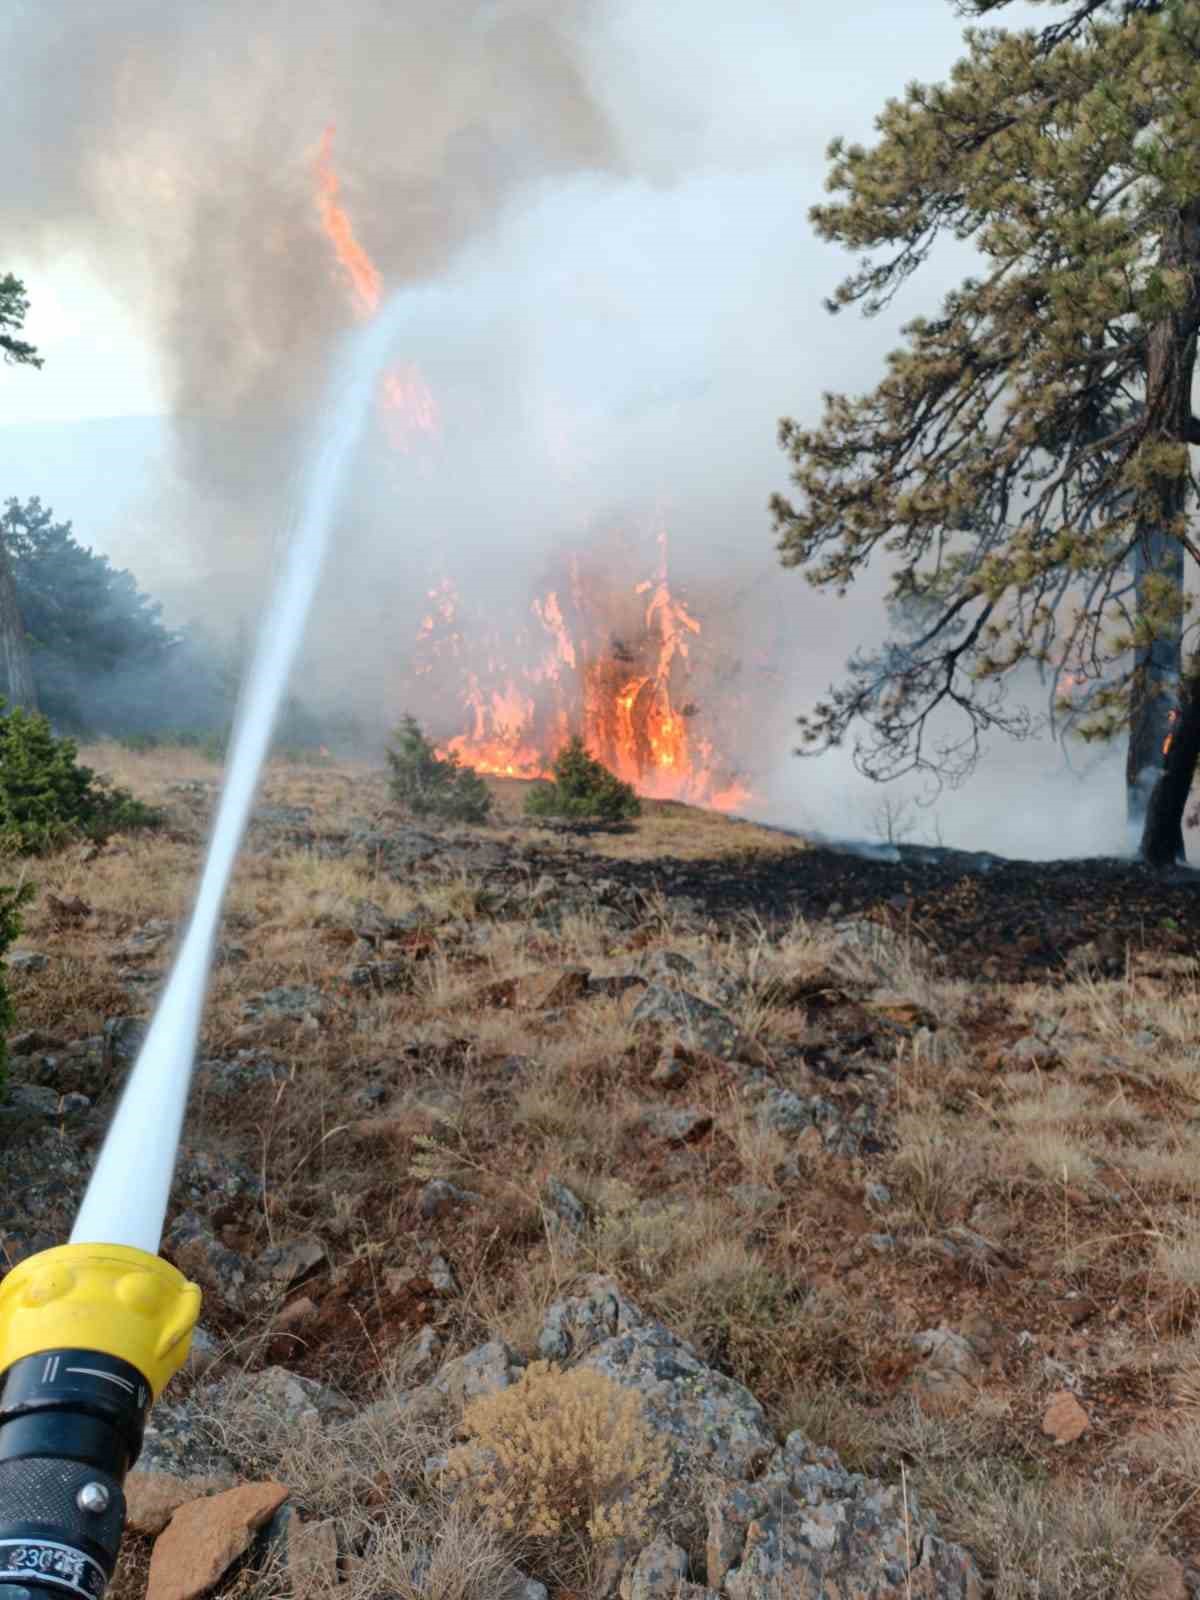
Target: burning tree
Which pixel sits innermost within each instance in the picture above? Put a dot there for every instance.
(1025, 460)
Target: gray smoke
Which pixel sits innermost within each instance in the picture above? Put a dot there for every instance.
(614, 197)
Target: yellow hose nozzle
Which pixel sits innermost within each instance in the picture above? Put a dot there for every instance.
(107, 1297)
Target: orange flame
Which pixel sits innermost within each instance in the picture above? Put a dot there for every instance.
(628, 696)
(408, 405)
(361, 270)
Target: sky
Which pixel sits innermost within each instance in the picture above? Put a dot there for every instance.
(610, 199)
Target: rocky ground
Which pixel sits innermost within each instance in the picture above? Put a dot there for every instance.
(873, 1180)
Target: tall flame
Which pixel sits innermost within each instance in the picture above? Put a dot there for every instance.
(364, 277)
(407, 400)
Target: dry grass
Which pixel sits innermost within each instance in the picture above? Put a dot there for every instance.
(665, 828)
(1083, 1167)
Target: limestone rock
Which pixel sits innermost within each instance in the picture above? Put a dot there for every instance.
(205, 1538)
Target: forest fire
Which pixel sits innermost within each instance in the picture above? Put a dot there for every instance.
(610, 662)
(616, 668)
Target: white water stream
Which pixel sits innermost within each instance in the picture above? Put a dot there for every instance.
(126, 1199)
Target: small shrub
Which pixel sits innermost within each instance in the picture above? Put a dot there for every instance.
(583, 789)
(12, 897)
(562, 1452)
(211, 745)
(431, 785)
(47, 797)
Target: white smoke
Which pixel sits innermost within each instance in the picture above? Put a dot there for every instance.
(614, 197)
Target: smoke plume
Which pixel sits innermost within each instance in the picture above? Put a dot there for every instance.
(611, 198)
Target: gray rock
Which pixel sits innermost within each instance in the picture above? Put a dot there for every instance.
(26, 961)
(676, 1127)
(655, 1573)
(755, 1198)
(422, 1355)
(177, 1439)
(371, 922)
(292, 1001)
(947, 1351)
(439, 1197)
(203, 1353)
(400, 850)
(784, 1111)
(286, 1397)
(379, 975)
(711, 1422)
(246, 1071)
(877, 1195)
(204, 1179)
(811, 1529)
(883, 1244)
(485, 1370)
(564, 1204)
(123, 1038)
(668, 965)
(197, 1252)
(284, 1266)
(32, 1097)
(694, 1022)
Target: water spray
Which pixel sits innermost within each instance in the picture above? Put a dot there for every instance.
(91, 1331)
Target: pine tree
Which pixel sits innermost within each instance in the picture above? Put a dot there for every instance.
(1024, 462)
(15, 665)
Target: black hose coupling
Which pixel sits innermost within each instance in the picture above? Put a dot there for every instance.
(71, 1424)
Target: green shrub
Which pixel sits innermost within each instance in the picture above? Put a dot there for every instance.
(209, 744)
(47, 797)
(583, 788)
(431, 785)
(12, 897)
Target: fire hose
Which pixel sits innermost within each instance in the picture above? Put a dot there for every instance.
(90, 1332)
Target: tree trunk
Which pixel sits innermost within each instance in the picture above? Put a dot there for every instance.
(1154, 697)
(1162, 710)
(1162, 834)
(14, 644)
